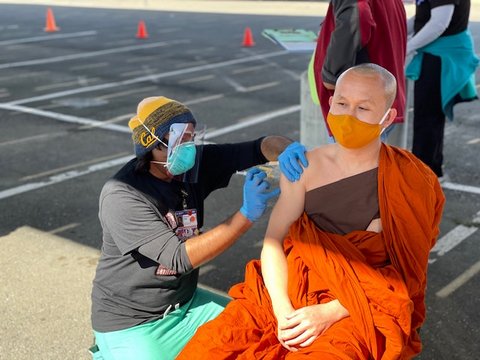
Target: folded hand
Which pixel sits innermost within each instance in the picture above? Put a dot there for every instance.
(303, 326)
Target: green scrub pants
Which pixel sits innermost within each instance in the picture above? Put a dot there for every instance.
(162, 339)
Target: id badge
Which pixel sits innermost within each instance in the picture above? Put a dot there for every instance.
(187, 223)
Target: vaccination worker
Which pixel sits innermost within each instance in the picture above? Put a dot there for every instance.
(145, 301)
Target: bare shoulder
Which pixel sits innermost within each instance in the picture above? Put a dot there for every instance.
(320, 156)
(320, 166)
(322, 149)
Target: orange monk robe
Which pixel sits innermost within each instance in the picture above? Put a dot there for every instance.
(379, 277)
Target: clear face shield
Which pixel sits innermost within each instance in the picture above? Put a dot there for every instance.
(191, 176)
(179, 137)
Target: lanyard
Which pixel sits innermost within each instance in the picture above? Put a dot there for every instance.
(184, 198)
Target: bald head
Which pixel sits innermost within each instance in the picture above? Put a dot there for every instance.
(384, 76)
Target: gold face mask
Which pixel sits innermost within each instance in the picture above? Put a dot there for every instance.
(353, 133)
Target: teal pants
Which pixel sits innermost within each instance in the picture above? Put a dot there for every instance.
(161, 339)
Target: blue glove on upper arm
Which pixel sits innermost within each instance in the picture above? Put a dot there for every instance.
(255, 195)
(290, 159)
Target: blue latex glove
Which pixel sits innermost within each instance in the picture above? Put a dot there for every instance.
(255, 195)
(290, 159)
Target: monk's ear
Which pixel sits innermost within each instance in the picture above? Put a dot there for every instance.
(330, 99)
(391, 117)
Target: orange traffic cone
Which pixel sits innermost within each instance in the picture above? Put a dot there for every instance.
(142, 30)
(248, 38)
(50, 25)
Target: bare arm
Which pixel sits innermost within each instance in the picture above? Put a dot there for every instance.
(288, 208)
(300, 327)
(203, 248)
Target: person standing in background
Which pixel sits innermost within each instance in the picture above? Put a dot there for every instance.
(443, 68)
(355, 32)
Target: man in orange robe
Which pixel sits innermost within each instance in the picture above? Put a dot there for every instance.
(325, 295)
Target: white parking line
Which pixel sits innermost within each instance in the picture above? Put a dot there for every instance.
(204, 99)
(89, 66)
(65, 118)
(236, 85)
(261, 86)
(253, 120)
(73, 166)
(197, 79)
(240, 88)
(120, 118)
(460, 187)
(63, 177)
(80, 81)
(127, 92)
(24, 74)
(288, 72)
(248, 69)
(152, 77)
(33, 138)
(144, 70)
(48, 37)
(110, 121)
(63, 228)
(84, 55)
(459, 281)
(452, 239)
(476, 218)
(190, 63)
